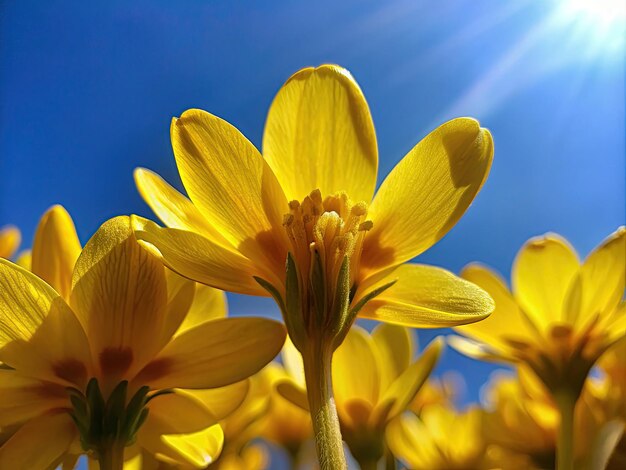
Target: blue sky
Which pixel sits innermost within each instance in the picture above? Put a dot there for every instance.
(87, 93)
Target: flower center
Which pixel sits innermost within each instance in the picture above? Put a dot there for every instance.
(326, 242)
(332, 228)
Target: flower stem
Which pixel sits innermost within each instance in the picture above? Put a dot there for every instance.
(566, 403)
(111, 457)
(317, 360)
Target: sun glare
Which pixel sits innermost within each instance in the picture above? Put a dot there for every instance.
(601, 22)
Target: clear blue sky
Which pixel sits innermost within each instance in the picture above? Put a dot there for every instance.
(87, 93)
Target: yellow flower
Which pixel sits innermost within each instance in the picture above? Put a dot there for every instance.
(561, 315)
(375, 378)
(440, 439)
(10, 238)
(83, 371)
(285, 424)
(301, 223)
(320, 154)
(442, 391)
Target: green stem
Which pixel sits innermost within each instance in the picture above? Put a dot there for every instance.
(111, 457)
(317, 371)
(566, 403)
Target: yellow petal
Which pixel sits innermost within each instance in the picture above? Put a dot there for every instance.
(55, 250)
(40, 443)
(542, 273)
(232, 185)
(195, 257)
(195, 449)
(351, 379)
(179, 412)
(23, 398)
(394, 347)
(208, 304)
(119, 292)
(397, 397)
(24, 259)
(198, 449)
(427, 192)
(476, 350)
(427, 297)
(507, 321)
(39, 333)
(223, 401)
(320, 135)
(602, 278)
(174, 209)
(215, 354)
(10, 239)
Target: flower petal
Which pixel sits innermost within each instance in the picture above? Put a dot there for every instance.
(10, 238)
(394, 347)
(602, 278)
(541, 277)
(39, 334)
(24, 398)
(179, 412)
(319, 134)
(199, 449)
(427, 297)
(55, 250)
(351, 380)
(427, 193)
(215, 354)
(506, 321)
(174, 209)
(232, 185)
(222, 401)
(40, 443)
(402, 391)
(119, 292)
(195, 257)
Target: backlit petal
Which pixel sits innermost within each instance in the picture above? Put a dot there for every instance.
(39, 334)
(397, 397)
(232, 185)
(427, 192)
(356, 369)
(215, 354)
(179, 412)
(174, 209)
(602, 277)
(196, 257)
(507, 320)
(394, 347)
(40, 443)
(24, 398)
(427, 297)
(119, 292)
(55, 250)
(319, 134)
(542, 273)
(222, 401)
(10, 239)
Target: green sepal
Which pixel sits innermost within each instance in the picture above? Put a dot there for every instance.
(269, 287)
(115, 410)
(353, 312)
(341, 303)
(293, 304)
(318, 287)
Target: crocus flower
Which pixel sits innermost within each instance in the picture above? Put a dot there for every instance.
(559, 318)
(103, 370)
(301, 223)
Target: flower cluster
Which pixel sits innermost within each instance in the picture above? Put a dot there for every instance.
(121, 351)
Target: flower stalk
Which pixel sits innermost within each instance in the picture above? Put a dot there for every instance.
(566, 403)
(318, 374)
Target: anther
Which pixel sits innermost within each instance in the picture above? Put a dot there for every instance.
(366, 226)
